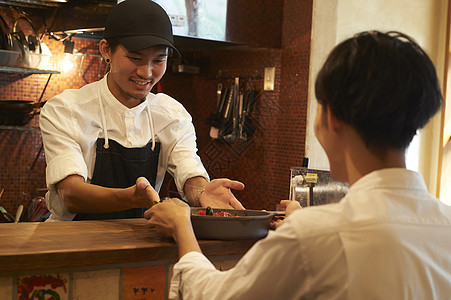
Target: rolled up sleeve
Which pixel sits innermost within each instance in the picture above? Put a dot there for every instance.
(62, 150)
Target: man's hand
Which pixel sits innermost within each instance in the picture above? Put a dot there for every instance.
(217, 194)
(82, 197)
(144, 194)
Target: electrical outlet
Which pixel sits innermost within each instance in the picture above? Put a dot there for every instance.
(270, 74)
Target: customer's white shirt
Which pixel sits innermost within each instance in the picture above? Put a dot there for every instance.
(388, 238)
(71, 123)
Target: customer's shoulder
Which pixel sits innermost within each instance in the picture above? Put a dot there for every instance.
(320, 219)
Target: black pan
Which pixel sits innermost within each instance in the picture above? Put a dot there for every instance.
(18, 106)
(18, 112)
(16, 119)
(244, 224)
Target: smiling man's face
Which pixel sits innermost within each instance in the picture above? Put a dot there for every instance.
(133, 74)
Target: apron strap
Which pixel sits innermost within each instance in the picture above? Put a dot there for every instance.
(102, 113)
(152, 133)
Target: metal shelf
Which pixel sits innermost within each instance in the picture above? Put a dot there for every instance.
(10, 127)
(27, 71)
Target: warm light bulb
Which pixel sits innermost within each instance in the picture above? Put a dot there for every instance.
(67, 64)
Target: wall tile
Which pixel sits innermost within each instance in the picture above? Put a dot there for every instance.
(43, 286)
(6, 287)
(144, 283)
(103, 284)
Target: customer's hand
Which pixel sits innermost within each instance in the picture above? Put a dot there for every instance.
(289, 207)
(169, 216)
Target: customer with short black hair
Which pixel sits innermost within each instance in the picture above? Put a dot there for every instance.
(108, 143)
(388, 238)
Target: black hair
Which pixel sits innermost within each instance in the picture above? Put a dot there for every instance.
(113, 43)
(382, 84)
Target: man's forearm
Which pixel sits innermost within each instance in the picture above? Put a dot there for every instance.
(193, 189)
(82, 197)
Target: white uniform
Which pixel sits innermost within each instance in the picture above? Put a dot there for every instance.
(72, 122)
(388, 238)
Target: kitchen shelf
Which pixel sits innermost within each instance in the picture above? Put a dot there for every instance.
(9, 127)
(27, 71)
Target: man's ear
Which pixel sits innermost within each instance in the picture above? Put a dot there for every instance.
(334, 123)
(104, 49)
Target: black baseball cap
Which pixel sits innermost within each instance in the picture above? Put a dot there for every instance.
(139, 24)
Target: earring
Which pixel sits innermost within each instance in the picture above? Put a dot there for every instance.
(107, 60)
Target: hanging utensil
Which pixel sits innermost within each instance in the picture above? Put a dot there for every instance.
(230, 138)
(230, 93)
(214, 120)
(218, 95)
(242, 116)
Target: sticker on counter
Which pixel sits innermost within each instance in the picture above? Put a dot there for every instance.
(144, 283)
(311, 177)
(47, 286)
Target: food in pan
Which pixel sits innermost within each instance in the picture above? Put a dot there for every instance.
(209, 212)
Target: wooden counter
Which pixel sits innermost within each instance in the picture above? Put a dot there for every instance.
(61, 245)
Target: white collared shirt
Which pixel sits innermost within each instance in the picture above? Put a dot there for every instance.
(71, 123)
(388, 238)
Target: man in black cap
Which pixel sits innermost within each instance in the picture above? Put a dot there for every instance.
(109, 144)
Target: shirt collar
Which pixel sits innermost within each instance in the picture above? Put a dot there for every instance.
(390, 178)
(115, 104)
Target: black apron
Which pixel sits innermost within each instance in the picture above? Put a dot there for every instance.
(119, 167)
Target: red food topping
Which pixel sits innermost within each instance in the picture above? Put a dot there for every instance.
(223, 214)
(218, 214)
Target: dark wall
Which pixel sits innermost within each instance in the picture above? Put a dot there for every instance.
(262, 162)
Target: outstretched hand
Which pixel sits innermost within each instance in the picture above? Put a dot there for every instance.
(217, 194)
